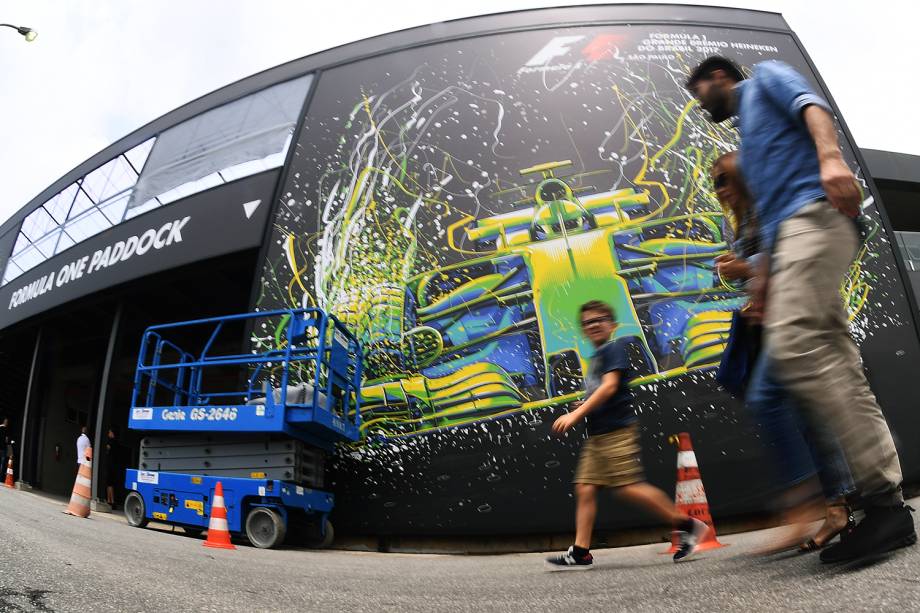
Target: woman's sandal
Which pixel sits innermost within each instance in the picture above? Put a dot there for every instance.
(812, 545)
(809, 546)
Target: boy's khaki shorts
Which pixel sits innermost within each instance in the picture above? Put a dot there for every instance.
(612, 459)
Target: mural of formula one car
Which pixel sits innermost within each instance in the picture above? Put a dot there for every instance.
(498, 332)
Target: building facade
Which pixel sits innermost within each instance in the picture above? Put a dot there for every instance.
(454, 193)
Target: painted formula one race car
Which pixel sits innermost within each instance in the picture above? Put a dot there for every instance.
(498, 332)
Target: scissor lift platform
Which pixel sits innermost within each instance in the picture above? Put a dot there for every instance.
(305, 386)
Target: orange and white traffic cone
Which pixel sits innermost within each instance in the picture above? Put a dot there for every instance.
(82, 488)
(218, 529)
(9, 474)
(689, 496)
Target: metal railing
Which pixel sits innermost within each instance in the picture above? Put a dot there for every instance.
(314, 344)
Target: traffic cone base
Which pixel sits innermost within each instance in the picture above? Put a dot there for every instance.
(689, 495)
(82, 488)
(9, 474)
(218, 529)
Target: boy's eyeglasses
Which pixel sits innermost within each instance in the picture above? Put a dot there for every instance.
(720, 180)
(595, 321)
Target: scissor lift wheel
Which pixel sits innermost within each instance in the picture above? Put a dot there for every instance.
(135, 510)
(265, 527)
(327, 539)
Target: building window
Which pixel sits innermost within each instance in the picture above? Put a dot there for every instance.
(236, 140)
(86, 207)
(909, 245)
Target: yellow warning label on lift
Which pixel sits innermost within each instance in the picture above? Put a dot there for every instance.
(257, 475)
(157, 515)
(195, 505)
(196, 480)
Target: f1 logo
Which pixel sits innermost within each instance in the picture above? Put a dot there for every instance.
(560, 45)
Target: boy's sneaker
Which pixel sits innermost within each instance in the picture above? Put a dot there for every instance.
(688, 541)
(570, 561)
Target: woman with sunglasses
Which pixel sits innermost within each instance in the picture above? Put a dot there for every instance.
(801, 449)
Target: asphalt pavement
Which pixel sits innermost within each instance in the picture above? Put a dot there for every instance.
(50, 561)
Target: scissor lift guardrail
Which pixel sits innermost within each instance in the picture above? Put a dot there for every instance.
(315, 342)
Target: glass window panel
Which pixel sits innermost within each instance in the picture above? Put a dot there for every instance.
(140, 210)
(192, 187)
(22, 241)
(909, 239)
(65, 242)
(114, 209)
(911, 245)
(138, 155)
(37, 224)
(87, 225)
(59, 206)
(242, 170)
(109, 179)
(12, 271)
(255, 166)
(80, 204)
(46, 245)
(29, 258)
(251, 128)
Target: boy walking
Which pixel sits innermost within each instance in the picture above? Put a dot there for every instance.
(610, 457)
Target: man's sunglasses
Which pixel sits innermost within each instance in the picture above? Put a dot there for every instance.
(720, 180)
(596, 320)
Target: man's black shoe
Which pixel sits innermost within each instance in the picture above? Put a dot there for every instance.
(884, 529)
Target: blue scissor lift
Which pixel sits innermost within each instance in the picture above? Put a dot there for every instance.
(297, 402)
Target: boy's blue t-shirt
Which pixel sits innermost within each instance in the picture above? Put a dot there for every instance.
(618, 411)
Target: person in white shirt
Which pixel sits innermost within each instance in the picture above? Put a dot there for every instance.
(82, 445)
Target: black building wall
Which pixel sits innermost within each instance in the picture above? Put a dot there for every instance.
(401, 212)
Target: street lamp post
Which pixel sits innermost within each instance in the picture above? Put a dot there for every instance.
(28, 33)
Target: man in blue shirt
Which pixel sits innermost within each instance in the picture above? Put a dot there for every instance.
(805, 198)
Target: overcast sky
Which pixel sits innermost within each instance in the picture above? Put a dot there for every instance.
(102, 68)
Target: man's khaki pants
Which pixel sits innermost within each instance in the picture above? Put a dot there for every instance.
(808, 341)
